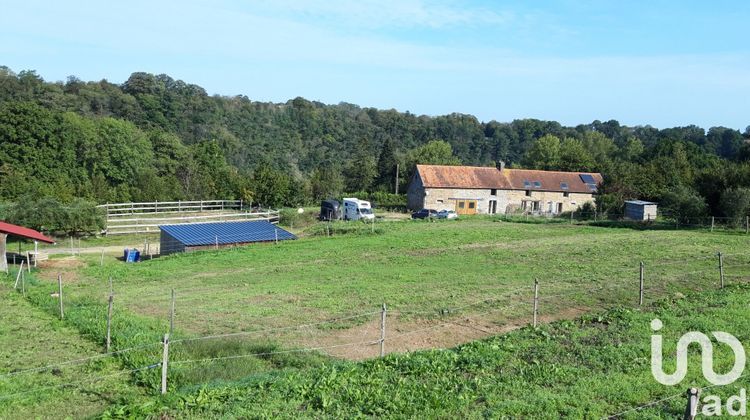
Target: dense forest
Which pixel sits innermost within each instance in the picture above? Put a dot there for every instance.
(156, 138)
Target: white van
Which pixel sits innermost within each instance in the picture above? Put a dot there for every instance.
(356, 209)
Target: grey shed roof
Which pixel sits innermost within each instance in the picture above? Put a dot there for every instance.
(197, 234)
(638, 202)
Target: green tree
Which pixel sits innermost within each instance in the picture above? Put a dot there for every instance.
(574, 156)
(387, 165)
(544, 153)
(735, 204)
(326, 182)
(361, 171)
(683, 204)
(270, 187)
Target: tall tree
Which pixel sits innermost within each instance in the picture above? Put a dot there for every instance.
(544, 153)
(387, 165)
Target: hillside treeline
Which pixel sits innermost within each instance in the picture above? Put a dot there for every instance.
(156, 138)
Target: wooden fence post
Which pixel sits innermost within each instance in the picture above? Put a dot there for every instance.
(640, 295)
(721, 269)
(171, 315)
(712, 223)
(217, 242)
(60, 295)
(276, 235)
(23, 284)
(536, 301)
(109, 315)
(109, 322)
(382, 330)
(691, 409)
(36, 252)
(28, 262)
(18, 275)
(164, 363)
(747, 225)
(101, 262)
(571, 216)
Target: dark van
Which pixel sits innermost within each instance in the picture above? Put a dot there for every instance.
(330, 210)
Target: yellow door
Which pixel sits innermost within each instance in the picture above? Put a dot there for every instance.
(466, 206)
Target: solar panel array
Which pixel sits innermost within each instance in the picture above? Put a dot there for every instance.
(589, 181)
(224, 233)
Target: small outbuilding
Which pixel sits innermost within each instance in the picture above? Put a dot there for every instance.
(640, 210)
(197, 236)
(7, 229)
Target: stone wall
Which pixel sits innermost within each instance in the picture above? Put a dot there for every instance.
(507, 200)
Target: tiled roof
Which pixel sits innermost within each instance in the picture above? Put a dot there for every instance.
(440, 176)
(476, 177)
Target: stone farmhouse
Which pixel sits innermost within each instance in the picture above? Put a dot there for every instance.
(491, 190)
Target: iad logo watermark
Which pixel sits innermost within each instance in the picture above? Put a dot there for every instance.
(736, 405)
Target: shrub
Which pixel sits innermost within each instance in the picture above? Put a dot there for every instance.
(48, 214)
(683, 204)
(735, 204)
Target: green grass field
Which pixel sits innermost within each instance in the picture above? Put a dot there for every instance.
(31, 338)
(421, 270)
(288, 308)
(592, 367)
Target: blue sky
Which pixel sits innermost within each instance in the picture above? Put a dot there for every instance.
(664, 63)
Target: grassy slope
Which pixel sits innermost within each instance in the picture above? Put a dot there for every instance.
(591, 367)
(412, 266)
(423, 266)
(31, 338)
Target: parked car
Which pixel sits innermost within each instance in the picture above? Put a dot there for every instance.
(424, 214)
(447, 214)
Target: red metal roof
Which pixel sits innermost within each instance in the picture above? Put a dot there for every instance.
(24, 232)
(479, 177)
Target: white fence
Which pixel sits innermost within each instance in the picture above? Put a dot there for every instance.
(125, 218)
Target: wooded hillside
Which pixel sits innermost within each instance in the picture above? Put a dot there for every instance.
(156, 138)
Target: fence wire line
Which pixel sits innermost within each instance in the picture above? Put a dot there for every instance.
(240, 356)
(292, 327)
(77, 361)
(641, 407)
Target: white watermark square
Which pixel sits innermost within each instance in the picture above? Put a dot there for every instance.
(735, 405)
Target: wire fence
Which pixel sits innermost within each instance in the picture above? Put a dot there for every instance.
(371, 333)
(664, 220)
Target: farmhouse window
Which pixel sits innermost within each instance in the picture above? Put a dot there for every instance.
(472, 204)
(461, 204)
(559, 207)
(440, 201)
(493, 191)
(528, 193)
(566, 194)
